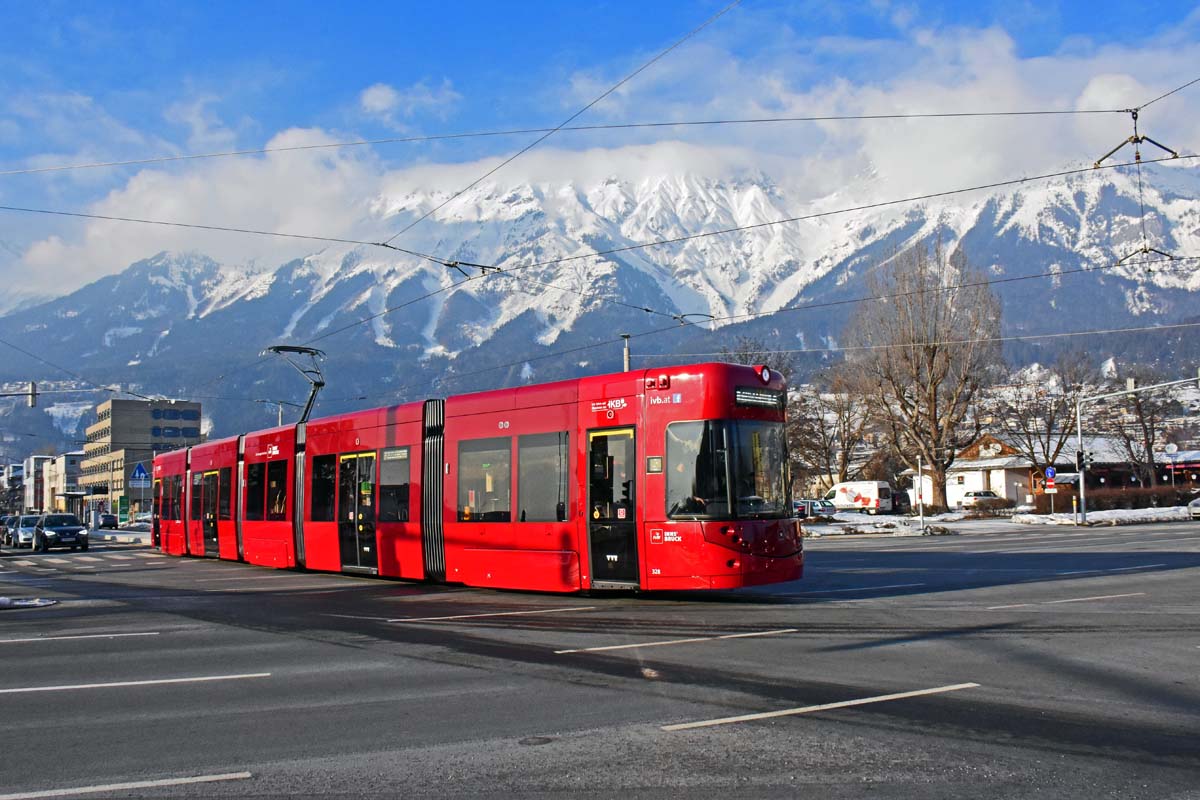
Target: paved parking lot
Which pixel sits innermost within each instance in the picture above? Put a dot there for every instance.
(998, 663)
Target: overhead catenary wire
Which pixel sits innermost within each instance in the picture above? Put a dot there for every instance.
(1149, 103)
(808, 307)
(567, 121)
(615, 126)
(597, 254)
(496, 270)
(943, 342)
(75, 375)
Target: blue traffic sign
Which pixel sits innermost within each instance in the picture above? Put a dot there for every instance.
(139, 478)
(1050, 472)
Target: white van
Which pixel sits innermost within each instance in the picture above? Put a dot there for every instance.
(874, 497)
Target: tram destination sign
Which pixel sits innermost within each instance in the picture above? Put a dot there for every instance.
(763, 398)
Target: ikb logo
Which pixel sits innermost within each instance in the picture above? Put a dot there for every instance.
(610, 405)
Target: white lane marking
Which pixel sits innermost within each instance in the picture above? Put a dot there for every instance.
(1071, 600)
(677, 641)
(118, 557)
(87, 558)
(1109, 569)
(118, 684)
(56, 561)
(1098, 597)
(788, 712)
(494, 614)
(24, 563)
(122, 787)
(79, 636)
(857, 589)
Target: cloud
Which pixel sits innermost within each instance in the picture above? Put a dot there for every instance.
(322, 193)
(391, 105)
(832, 164)
(913, 70)
(206, 131)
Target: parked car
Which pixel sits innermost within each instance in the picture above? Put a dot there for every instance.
(5, 521)
(21, 534)
(822, 508)
(984, 499)
(800, 509)
(1194, 508)
(874, 497)
(108, 521)
(59, 530)
(901, 503)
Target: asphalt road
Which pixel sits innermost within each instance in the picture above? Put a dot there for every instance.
(1028, 662)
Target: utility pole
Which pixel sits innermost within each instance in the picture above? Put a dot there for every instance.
(626, 336)
(280, 404)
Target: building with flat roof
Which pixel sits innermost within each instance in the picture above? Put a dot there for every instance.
(61, 483)
(126, 434)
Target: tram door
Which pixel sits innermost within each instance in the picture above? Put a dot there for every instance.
(612, 526)
(156, 529)
(208, 513)
(356, 511)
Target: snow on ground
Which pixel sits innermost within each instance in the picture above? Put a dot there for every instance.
(1125, 516)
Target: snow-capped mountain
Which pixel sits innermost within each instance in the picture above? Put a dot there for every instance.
(182, 324)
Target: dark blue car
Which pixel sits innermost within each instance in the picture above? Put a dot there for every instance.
(60, 530)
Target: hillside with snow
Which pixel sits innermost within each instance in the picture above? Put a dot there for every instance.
(183, 324)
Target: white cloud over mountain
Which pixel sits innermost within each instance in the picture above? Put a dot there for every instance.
(352, 192)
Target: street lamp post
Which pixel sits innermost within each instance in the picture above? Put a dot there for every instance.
(280, 404)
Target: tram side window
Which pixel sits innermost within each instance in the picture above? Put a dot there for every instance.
(277, 489)
(394, 475)
(256, 476)
(542, 477)
(177, 498)
(224, 493)
(158, 499)
(197, 479)
(485, 480)
(323, 487)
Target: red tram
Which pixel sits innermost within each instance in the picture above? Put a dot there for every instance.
(672, 478)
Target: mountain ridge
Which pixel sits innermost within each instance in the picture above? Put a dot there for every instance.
(175, 321)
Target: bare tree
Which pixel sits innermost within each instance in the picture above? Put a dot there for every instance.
(1037, 417)
(751, 351)
(827, 424)
(1139, 421)
(925, 352)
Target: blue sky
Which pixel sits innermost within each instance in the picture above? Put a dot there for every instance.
(84, 82)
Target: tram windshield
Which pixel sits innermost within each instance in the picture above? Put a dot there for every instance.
(727, 469)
